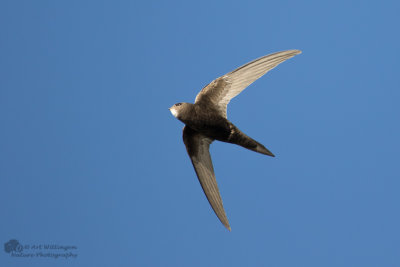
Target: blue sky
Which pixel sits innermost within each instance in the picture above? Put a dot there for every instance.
(90, 155)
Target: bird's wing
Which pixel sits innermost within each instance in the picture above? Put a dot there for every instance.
(220, 91)
(197, 146)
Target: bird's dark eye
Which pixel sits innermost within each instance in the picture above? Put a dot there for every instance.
(178, 104)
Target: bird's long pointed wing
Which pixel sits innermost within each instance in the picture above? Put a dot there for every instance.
(223, 89)
(197, 146)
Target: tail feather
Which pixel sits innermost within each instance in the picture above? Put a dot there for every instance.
(262, 149)
(239, 138)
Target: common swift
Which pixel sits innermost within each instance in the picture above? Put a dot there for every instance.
(206, 120)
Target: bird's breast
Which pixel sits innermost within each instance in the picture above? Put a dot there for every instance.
(207, 120)
(213, 127)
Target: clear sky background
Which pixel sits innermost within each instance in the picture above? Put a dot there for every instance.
(90, 155)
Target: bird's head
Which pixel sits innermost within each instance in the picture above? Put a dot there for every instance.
(177, 109)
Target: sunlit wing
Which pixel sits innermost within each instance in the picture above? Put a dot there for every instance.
(223, 89)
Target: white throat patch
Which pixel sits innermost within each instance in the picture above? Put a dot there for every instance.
(174, 112)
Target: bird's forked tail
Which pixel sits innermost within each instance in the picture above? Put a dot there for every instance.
(239, 138)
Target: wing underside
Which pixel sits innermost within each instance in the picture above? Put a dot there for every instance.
(197, 146)
(220, 91)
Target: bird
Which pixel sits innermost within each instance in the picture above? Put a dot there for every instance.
(206, 120)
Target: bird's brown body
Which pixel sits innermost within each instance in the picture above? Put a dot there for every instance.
(206, 120)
